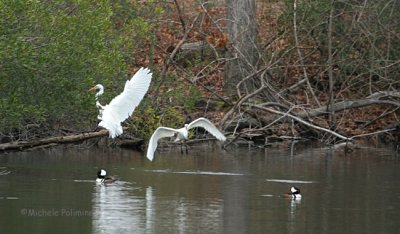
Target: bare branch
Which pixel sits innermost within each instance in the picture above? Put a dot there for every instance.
(373, 133)
(299, 53)
(173, 53)
(301, 121)
(345, 105)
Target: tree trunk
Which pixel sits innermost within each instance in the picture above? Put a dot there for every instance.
(332, 117)
(242, 54)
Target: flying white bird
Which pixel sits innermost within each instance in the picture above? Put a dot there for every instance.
(123, 105)
(181, 134)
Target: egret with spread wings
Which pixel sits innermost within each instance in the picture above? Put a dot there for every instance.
(122, 106)
(181, 134)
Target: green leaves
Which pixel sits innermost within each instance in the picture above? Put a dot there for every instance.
(51, 52)
(147, 119)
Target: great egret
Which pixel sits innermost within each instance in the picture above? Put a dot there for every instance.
(123, 105)
(181, 134)
(294, 193)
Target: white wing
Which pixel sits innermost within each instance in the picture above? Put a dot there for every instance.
(159, 133)
(207, 125)
(123, 105)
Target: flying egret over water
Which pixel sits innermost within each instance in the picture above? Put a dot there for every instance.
(122, 106)
(181, 134)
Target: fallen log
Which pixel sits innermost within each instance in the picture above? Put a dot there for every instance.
(20, 145)
(346, 105)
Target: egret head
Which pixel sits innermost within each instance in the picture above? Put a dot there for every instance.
(98, 88)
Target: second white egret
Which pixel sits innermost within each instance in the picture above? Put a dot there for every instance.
(181, 134)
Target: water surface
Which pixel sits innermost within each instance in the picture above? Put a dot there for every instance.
(206, 191)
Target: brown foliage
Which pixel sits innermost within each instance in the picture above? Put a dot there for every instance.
(207, 74)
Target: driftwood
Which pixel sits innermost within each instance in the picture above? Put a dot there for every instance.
(302, 121)
(345, 105)
(380, 98)
(20, 145)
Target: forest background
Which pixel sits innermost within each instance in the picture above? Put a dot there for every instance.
(262, 70)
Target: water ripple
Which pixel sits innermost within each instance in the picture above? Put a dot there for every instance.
(4, 172)
(198, 172)
(291, 181)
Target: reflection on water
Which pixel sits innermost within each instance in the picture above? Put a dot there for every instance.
(149, 209)
(115, 210)
(294, 212)
(205, 191)
(4, 171)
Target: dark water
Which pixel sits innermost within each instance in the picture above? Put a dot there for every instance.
(206, 191)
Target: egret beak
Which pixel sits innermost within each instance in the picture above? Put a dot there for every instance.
(92, 89)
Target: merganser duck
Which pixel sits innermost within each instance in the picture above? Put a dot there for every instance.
(101, 177)
(294, 193)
